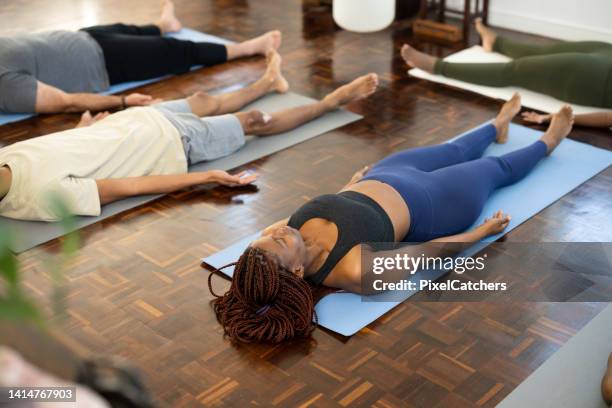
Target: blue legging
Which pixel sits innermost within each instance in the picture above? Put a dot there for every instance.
(446, 186)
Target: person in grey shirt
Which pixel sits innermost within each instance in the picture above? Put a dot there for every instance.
(147, 150)
(62, 71)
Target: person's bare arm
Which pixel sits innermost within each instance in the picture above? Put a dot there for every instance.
(434, 248)
(359, 174)
(594, 119)
(494, 225)
(52, 100)
(116, 189)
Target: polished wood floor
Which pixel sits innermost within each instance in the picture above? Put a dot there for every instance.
(137, 290)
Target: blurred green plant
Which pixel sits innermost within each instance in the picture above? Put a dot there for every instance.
(15, 304)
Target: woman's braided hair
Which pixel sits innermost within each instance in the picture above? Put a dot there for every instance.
(265, 303)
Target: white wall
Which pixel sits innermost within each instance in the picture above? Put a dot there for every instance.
(563, 19)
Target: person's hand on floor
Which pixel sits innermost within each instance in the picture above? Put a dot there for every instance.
(137, 99)
(533, 117)
(87, 119)
(496, 224)
(231, 180)
(360, 174)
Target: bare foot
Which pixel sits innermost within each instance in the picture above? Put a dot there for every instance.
(168, 23)
(560, 126)
(203, 104)
(360, 88)
(274, 72)
(606, 383)
(264, 43)
(416, 58)
(487, 35)
(505, 115)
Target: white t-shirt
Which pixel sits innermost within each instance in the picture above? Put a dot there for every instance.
(135, 142)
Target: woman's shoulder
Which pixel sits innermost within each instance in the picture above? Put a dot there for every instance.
(347, 272)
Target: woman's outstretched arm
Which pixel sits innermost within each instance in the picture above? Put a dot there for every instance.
(116, 189)
(594, 119)
(494, 225)
(436, 248)
(359, 174)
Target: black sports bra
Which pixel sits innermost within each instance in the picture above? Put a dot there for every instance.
(359, 219)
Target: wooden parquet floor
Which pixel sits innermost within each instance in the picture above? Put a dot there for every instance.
(137, 290)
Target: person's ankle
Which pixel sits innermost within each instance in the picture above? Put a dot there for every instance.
(329, 102)
(499, 124)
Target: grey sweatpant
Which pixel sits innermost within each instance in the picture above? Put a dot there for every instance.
(205, 138)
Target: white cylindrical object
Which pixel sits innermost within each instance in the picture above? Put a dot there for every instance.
(364, 16)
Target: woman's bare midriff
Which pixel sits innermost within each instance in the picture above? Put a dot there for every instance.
(390, 201)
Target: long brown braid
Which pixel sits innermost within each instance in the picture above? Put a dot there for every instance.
(265, 302)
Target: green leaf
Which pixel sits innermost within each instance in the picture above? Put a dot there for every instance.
(18, 308)
(71, 242)
(8, 261)
(14, 305)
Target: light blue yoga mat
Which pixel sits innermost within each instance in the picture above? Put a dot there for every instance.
(184, 34)
(571, 164)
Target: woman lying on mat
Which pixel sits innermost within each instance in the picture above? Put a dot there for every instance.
(146, 150)
(575, 72)
(58, 71)
(418, 195)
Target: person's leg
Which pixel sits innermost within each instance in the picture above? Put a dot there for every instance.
(571, 77)
(516, 49)
(255, 46)
(217, 136)
(468, 147)
(203, 104)
(490, 74)
(135, 58)
(140, 57)
(458, 193)
(260, 124)
(125, 29)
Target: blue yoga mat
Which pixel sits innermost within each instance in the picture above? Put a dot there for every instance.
(184, 34)
(571, 164)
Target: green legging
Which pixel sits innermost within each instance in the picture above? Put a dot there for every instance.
(575, 72)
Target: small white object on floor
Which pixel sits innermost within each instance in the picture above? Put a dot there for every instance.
(363, 16)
